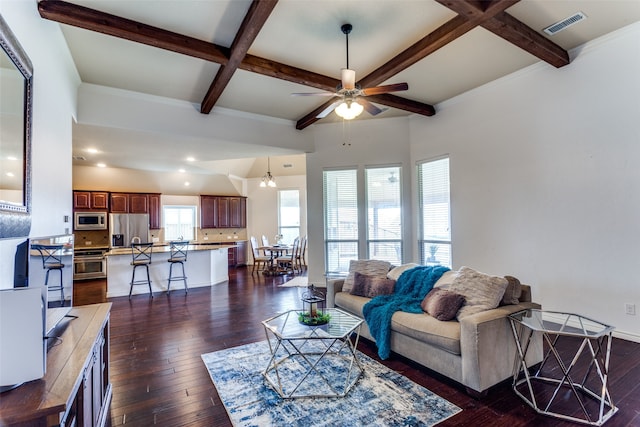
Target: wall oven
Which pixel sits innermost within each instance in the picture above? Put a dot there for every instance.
(89, 264)
(90, 221)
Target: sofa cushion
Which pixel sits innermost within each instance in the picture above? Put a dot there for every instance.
(513, 291)
(370, 267)
(481, 291)
(371, 286)
(425, 328)
(442, 304)
(421, 326)
(446, 279)
(396, 272)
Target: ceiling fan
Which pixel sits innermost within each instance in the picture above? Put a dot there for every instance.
(351, 100)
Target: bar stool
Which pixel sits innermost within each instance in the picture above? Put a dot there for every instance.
(51, 260)
(141, 253)
(178, 256)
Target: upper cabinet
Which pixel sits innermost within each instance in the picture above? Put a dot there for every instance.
(155, 221)
(130, 203)
(90, 200)
(223, 212)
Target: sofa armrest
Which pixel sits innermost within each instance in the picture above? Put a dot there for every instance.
(333, 287)
(488, 346)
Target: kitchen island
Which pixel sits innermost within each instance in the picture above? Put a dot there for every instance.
(206, 266)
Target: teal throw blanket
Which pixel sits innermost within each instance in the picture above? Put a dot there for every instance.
(410, 289)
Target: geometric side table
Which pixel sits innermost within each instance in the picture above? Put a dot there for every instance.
(561, 386)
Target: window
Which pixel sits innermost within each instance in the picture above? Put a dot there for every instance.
(435, 216)
(179, 222)
(341, 219)
(384, 214)
(289, 215)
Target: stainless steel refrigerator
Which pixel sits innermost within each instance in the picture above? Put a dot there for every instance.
(124, 227)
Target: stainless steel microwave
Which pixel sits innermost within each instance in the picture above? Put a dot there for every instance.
(90, 221)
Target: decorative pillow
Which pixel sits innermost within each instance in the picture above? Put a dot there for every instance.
(446, 279)
(442, 304)
(370, 286)
(370, 267)
(396, 272)
(481, 291)
(513, 291)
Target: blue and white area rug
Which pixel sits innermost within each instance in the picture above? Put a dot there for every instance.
(382, 397)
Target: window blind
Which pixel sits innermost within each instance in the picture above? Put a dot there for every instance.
(435, 212)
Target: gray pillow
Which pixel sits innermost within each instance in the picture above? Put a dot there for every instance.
(481, 291)
(371, 286)
(370, 267)
(442, 304)
(513, 291)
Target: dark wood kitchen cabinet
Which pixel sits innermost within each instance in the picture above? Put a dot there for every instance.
(90, 200)
(155, 212)
(223, 212)
(208, 212)
(238, 212)
(129, 203)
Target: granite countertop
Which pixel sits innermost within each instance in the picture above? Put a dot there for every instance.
(164, 247)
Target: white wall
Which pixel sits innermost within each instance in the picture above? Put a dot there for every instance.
(545, 183)
(372, 142)
(262, 206)
(55, 81)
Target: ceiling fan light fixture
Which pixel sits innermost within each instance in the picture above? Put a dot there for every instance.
(348, 78)
(349, 110)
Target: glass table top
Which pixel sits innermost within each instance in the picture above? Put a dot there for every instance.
(286, 325)
(561, 323)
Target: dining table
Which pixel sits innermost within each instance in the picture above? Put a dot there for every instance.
(273, 252)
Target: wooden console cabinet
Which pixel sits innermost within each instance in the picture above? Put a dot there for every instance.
(75, 390)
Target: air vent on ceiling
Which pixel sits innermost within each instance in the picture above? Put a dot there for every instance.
(79, 158)
(565, 23)
(287, 165)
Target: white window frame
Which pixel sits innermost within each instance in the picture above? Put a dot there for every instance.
(282, 228)
(185, 236)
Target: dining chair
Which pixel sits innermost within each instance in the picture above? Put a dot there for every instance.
(300, 260)
(265, 242)
(288, 262)
(257, 258)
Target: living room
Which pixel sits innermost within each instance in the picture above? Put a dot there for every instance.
(542, 180)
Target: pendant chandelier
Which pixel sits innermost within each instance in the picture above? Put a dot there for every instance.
(268, 180)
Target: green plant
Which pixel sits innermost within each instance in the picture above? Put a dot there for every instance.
(319, 319)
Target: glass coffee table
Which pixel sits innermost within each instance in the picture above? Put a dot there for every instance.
(313, 361)
(564, 378)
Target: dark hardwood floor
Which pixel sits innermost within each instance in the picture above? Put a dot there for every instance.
(158, 376)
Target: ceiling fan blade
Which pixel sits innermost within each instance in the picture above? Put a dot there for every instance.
(324, 113)
(371, 109)
(313, 94)
(348, 79)
(396, 87)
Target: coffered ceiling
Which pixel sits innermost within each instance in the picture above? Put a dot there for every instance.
(250, 56)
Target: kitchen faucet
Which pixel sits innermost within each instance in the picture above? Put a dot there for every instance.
(135, 239)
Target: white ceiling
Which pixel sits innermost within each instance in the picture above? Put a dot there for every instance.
(306, 34)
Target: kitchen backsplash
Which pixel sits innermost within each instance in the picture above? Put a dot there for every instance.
(221, 234)
(87, 239)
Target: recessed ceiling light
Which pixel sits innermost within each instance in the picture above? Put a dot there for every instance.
(92, 150)
(12, 158)
(101, 165)
(10, 174)
(190, 159)
(186, 184)
(181, 170)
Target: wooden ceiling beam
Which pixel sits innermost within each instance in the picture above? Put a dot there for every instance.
(105, 23)
(251, 25)
(492, 16)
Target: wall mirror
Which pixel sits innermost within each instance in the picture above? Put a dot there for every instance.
(16, 80)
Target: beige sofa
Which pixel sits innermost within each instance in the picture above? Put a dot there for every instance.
(477, 352)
